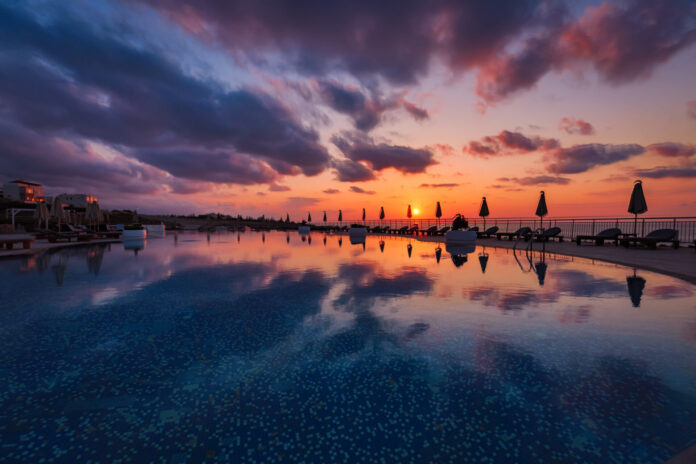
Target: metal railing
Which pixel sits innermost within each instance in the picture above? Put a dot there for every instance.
(570, 227)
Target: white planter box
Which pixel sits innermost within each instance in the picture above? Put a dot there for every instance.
(134, 234)
(155, 230)
(303, 229)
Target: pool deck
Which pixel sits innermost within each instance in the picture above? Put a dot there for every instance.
(679, 263)
(42, 246)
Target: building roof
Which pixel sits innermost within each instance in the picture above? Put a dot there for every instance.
(17, 181)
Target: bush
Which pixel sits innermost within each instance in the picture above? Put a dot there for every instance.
(460, 223)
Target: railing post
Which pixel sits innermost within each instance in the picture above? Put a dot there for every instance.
(572, 228)
(643, 228)
(593, 224)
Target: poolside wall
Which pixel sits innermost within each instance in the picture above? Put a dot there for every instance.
(570, 227)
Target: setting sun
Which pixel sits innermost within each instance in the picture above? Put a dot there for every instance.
(416, 211)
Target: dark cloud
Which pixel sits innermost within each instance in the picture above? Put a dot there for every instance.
(213, 166)
(576, 126)
(394, 39)
(622, 41)
(581, 158)
(63, 77)
(352, 171)
(509, 143)
(278, 188)
(366, 111)
(672, 149)
(662, 172)
(418, 113)
(626, 40)
(356, 189)
(331, 191)
(509, 73)
(70, 163)
(382, 156)
(535, 180)
(438, 185)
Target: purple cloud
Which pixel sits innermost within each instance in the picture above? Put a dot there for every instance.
(353, 171)
(331, 191)
(393, 40)
(189, 127)
(382, 156)
(581, 158)
(535, 180)
(278, 188)
(365, 111)
(622, 41)
(509, 143)
(356, 189)
(672, 149)
(663, 172)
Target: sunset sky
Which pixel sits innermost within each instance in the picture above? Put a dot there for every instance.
(268, 107)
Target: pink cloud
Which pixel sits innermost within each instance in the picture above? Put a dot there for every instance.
(576, 126)
(509, 143)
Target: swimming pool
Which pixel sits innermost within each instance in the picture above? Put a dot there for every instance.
(269, 347)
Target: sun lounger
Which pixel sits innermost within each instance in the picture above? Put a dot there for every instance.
(522, 232)
(402, 230)
(474, 229)
(491, 231)
(8, 241)
(653, 238)
(430, 230)
(552, 233)
(608, 235)
(412, 230)
(443, 231)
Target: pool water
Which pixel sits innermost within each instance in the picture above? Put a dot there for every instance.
(272, 347)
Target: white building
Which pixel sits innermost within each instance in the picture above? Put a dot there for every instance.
(20, 190)
(77, 200)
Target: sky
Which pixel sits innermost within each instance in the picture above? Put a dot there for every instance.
(247, 107)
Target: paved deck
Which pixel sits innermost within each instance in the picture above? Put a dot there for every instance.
(42, 246)
(679, 263)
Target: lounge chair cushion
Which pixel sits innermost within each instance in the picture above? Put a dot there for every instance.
(662, 234)
(610, 233)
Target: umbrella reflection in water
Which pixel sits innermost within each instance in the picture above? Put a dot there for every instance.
(483, 260)
(636, 284)
(59, 272)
